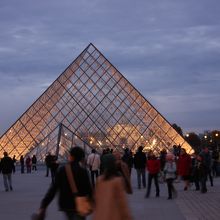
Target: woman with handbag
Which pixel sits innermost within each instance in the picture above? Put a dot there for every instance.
(67, 198)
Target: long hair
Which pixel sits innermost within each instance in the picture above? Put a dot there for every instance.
(109, 166)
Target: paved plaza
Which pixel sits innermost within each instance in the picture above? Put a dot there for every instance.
(189, 205)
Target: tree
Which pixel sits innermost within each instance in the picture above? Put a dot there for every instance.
(194, 140)
(178, 129)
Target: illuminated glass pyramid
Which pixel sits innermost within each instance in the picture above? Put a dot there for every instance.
(94, 101)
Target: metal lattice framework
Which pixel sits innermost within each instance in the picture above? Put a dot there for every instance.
(96, 102)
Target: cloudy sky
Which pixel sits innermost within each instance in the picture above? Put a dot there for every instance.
(168, 49)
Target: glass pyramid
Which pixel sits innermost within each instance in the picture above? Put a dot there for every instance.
(93, 100)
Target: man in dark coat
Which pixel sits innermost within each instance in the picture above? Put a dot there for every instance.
(7, 168)
(61, 185)
(140, 160)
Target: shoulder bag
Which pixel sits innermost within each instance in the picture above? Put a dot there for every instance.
(83, 203)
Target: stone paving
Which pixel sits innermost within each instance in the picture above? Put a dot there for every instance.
(195, 205)
(189, 205)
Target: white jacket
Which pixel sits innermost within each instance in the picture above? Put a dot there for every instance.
(170, 170)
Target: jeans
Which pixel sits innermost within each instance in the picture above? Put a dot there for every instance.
(170, 188)
(141, 173)
(155, 177)
(7, 181)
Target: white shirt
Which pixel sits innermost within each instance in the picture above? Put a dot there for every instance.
(94, 161)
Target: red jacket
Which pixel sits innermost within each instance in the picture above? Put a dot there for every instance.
(184, 164)
(153, 166)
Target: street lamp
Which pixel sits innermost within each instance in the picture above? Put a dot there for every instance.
(217, 146)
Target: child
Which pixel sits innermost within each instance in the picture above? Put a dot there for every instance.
(170, 174)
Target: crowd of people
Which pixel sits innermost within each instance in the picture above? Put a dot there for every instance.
(109, 174)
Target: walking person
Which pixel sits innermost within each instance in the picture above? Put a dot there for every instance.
(14, 163)
(207, 160)
(54, 167)
(170, 175)
(62, 186)
(202, 174)
(22, 163)
(28, 164)
(128, 159)
(48, 161)
(34, 162)
(153, 167)
(110, 196)
(184, 166)
(140, 165)
(123, 170)
(93, 161)
(7, 168)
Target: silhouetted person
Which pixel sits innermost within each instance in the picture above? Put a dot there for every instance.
(22, 163)
(34, 162)
(28, 164)
(7, 168)
(48, 161)
(140, 160)
(53, 167)
(206, 160)
(128, 158)
(14, 163)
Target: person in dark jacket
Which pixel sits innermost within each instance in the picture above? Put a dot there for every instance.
(61, 185)
(22, 163)
(48, 161)
(140, 164)
(7, 168)
(128, 158)
(207, 160)
(34, 162)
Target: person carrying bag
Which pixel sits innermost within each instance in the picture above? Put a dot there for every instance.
(83, 204)
(68, 199)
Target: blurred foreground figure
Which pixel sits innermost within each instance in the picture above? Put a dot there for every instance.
(110, 196)
(61, 185)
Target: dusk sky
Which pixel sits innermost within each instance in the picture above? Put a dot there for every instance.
(168, 49)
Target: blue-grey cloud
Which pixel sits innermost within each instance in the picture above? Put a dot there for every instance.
(169, 50)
